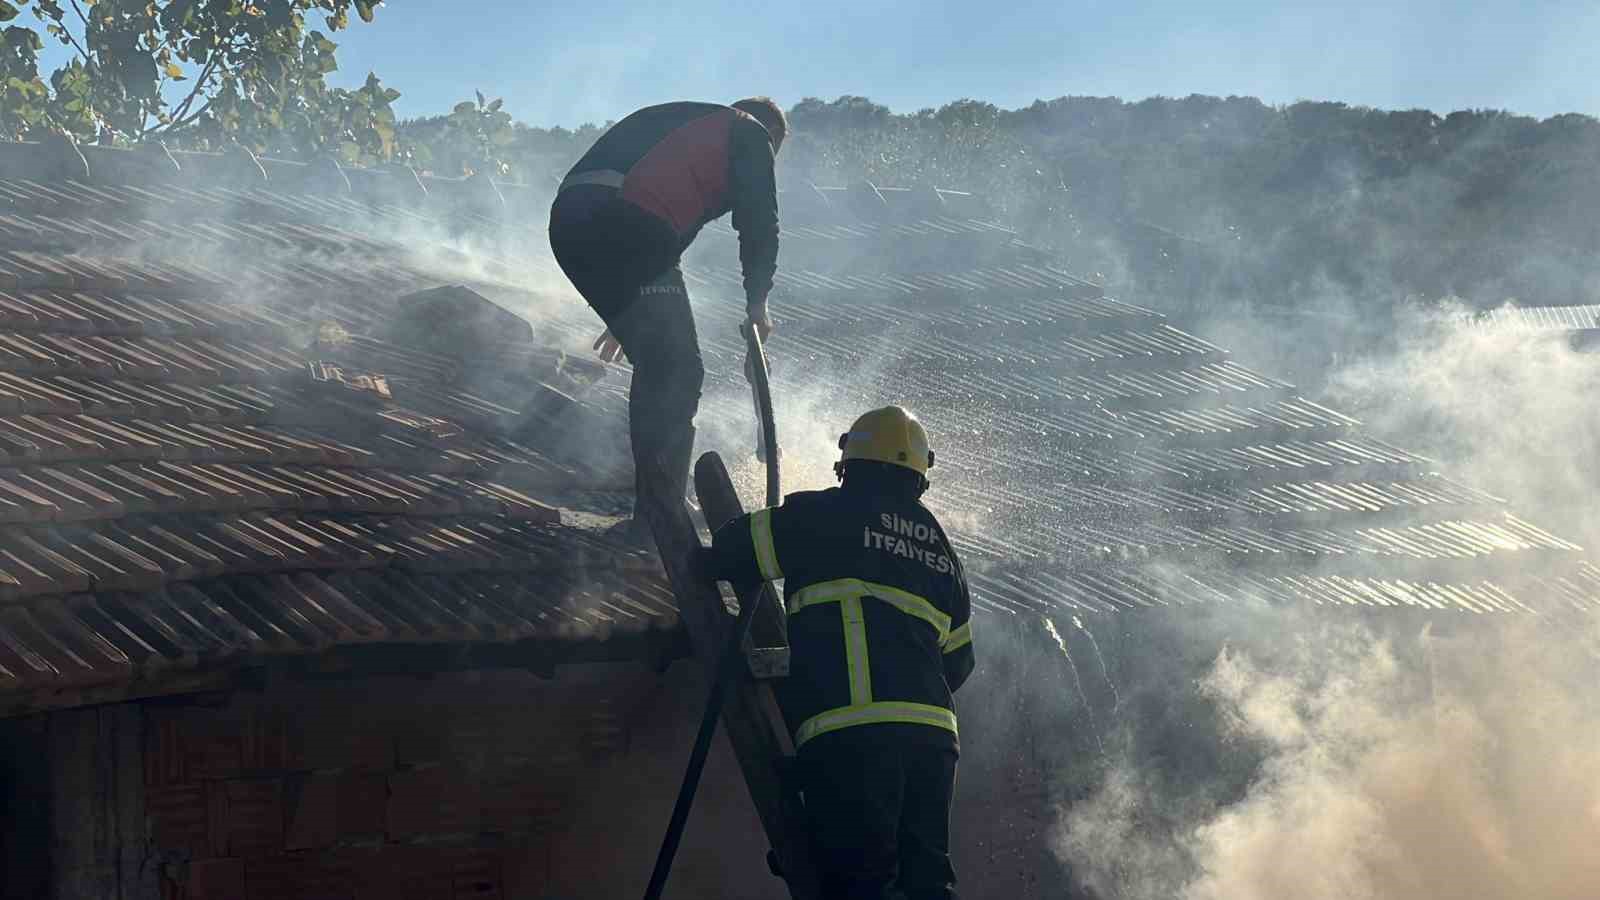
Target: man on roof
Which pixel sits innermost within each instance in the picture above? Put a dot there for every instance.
(619, 225)
(879, 641)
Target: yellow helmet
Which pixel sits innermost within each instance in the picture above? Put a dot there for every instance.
(888, 435)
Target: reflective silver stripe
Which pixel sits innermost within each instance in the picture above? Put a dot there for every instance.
(766, 553)
(855, 651)
(958, 638)
(875, 713)
(843, 588)
(607, 177)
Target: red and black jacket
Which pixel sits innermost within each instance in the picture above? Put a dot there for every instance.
(689, 163)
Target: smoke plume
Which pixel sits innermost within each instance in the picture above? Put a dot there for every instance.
(1370, 759)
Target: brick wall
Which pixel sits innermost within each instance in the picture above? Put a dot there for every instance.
(488, 786)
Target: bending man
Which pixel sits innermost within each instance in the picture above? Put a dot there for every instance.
(620, 223)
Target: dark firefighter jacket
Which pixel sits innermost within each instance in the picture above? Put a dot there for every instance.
(878, 608)
(689, 163)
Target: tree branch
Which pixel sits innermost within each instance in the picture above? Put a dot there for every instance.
(79, 10)
(199, 85)
(67, 33)
(179, 123)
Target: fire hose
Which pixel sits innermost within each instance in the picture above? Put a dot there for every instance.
(729, 664)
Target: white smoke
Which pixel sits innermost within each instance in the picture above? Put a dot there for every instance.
(1474, 774)
(1400, 765)
(1507, 410)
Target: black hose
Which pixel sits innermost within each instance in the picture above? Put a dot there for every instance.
(726, 673)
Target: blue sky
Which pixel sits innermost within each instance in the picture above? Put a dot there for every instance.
(565, 64)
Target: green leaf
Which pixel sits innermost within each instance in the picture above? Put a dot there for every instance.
(495, 106)
(174, 71)
(364, 9)
(464, 106)
(8, 12)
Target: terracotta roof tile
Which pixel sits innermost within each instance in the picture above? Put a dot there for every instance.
(171, 493)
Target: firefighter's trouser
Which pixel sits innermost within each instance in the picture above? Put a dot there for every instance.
(624, 262)
(879, 814)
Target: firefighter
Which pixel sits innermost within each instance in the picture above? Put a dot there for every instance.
(879, 640)
(622, 219)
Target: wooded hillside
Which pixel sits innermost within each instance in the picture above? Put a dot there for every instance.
(1186, 202)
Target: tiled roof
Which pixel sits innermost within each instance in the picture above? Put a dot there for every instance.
(197, 469)
(212, 449)
(1090, 451)
(1581, 317)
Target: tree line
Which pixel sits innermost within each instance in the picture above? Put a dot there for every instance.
(1198, 199)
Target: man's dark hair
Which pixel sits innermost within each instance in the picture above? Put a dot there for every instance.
(768, 114)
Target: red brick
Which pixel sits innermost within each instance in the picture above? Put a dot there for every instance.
(216, 879)
(191, 744)
(421, 739)
(407, 873)
(163, 751)
(432, 801)
(178, 817)
(212, 745)
(480, 733)
(527, 797)
(264, 740)
(525, 869)
(477, 875)
(312, 807)
(335, 739)
(302, 876)
(363, 799)
(323, 809)
(433, 873)
(247, 817)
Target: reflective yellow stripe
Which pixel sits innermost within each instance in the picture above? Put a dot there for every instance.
(766, 554)
(845, 588)
(855, 651)
(875, 713)
(959, 638)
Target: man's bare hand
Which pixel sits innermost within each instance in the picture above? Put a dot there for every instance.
(759, 320)
(608, 347)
